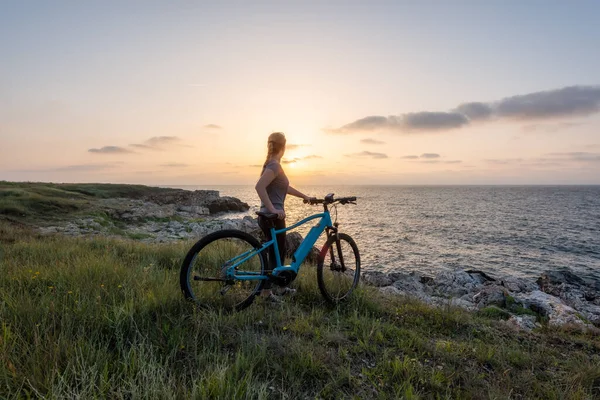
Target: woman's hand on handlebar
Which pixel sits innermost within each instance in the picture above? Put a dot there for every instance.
(280, 214)
(310, 200)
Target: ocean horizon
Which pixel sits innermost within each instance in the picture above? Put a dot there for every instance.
(519, 230)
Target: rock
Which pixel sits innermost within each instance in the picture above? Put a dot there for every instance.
(49, 229)
(552, 307)
(462, 303)
(194, 210)
(426, 280)
(376, 278)
(491, 295)
(480, 276)
(409, 283)
(474, 290)
(553, 281)
(292, 242)
(224, 204)
(456, 283)
(523, 322)
(573, 291)
(182, 197)
(517, 285)
(392, 290)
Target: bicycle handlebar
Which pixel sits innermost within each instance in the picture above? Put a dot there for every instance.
(331, 200)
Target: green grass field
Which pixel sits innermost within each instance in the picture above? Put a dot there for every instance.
(38, 203)
(104, 318)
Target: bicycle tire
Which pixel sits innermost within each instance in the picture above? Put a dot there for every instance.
(202, 273)
(336, 282)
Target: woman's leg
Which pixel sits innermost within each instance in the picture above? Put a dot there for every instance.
(280, 224)
(265, 226)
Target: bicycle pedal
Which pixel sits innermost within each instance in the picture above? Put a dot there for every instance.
(225, 290)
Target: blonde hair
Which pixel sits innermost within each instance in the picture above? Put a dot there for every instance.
(275, 144)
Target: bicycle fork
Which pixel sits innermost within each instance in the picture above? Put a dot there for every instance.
(338, 244)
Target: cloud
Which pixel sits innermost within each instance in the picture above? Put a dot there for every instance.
(475, 111)
(296, 159)
(141, 146)
(213, 126)
(158, 143)
(420, 121)
(550, 128)
(427, 120)
(503, 161)
(85, 168)
(371, 141)
(424, 155)
(295, 146)
(174, 165)
(429, 158)
(110, 150)
(577, 156)
(367, 154)
(564, 159)
(162, 140)
(568, 101)
(440, 162)
(75, 168)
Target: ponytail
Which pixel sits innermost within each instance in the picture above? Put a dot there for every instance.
(275, 144)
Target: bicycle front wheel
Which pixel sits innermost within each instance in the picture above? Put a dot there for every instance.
(338, 268)
(203, 273)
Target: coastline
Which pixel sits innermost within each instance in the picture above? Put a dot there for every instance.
(163, 215)
(98, 315)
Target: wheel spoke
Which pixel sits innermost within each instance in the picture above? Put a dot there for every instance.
(336, 281)
(205, 275)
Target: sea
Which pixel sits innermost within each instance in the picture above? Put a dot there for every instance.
(501, 230)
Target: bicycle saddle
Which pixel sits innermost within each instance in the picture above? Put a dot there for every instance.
(266, 215)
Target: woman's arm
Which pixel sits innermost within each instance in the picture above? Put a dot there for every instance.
(261, 188)
(297, 193)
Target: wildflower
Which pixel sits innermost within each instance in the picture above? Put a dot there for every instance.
(120, 286)
(102, 285)
(37, 272)
(50, 287)
(70, 292)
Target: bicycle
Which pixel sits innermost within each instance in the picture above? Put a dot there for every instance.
(230, 264)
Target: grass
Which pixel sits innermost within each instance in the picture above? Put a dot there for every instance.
(83, 318)
(38, 203)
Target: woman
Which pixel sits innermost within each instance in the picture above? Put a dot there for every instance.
(272, 188)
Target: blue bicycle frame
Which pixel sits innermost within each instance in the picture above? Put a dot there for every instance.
(299, 256)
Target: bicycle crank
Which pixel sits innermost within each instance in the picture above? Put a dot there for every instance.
(284, 278)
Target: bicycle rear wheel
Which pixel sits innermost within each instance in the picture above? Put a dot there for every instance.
(202, 277)
(338, 268)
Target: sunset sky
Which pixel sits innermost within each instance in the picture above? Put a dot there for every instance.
(367, 92)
